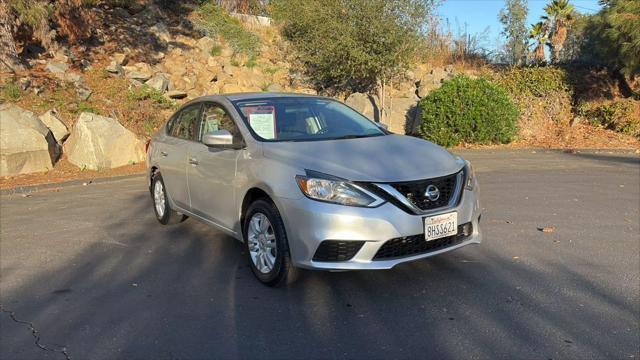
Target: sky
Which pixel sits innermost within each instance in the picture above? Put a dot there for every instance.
(478, 14)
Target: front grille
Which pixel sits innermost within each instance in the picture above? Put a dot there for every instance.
(414, 191)
(416, 244)
(335, 250)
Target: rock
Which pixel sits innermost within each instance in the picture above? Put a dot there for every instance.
(176, 94)
(26, 144)
(159, 82)
(137, 75)
(275, 88)
(307, 91)
(402, 115)
(24, 83)
(364, 104)
(98, 142)
(206, 44)
(424, 87)
(230, 88)
(120, 58)
(51, 119)
(449, 69)
(115, 68)
(123, 13)
(161, 31)
(83, 92)
(57, 67)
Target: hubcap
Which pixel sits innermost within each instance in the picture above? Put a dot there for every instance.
(262, 243)
(158, 198)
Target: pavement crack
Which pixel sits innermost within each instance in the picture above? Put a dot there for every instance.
(35, 334)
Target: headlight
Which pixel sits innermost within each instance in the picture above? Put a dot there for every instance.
(470, 176)
(326, 188)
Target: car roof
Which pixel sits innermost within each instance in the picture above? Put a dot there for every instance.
(251, 96)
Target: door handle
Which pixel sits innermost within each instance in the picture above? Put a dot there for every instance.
(164, 153)
(193, 161)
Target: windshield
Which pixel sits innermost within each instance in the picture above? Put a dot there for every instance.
(304, 119)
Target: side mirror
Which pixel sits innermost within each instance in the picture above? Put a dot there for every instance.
(218, 138)
(382, 126)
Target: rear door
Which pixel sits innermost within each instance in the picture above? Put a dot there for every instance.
(212, 170)
(174, 163)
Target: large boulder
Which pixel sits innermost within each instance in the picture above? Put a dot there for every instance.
(26, 144)
(403, 115)
(51, 119)
(364, 104)
(98, 142)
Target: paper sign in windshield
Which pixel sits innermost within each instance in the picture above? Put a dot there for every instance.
(263, 124)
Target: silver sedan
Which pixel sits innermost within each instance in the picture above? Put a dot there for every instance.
(308, 182)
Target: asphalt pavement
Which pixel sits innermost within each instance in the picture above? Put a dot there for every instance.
(86, 272)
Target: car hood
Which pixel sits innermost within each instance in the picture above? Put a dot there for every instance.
(376, 159)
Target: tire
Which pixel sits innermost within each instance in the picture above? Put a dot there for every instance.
(164, 213)
(282, 271)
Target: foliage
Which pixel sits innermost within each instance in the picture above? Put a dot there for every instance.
(513, 17)
(612, 37)
(470, 111)
(216, 50)
(535, 81)
(145, 92)
(353, 45)
(441, 45)
(11, 92)
(85, 106)
(619, 115)
(215, 21)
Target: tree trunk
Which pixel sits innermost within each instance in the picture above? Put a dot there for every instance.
(9, 59)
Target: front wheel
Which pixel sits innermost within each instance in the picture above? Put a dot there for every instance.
(164, 213)
(267, 245)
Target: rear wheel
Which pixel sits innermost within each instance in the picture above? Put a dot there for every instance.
(164, 213)
(267, 245)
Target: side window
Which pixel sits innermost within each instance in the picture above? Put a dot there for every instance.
(215, 118)
(184, 125)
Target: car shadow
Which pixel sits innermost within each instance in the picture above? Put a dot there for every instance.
(185, 291)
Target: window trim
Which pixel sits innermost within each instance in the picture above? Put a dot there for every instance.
(176, 117)
(242, 143)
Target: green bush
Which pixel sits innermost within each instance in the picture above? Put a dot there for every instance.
(215, 21)
(620, 115)
(470, 111)
(11, 92)
(145, 92)
(536, 81)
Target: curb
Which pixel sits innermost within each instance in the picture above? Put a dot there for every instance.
(56, 185)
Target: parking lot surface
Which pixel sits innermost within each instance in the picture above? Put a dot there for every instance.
(94, 274)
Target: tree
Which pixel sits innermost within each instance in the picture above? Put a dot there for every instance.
(539, 33)
(513, 17)
(353, 45)
(560, 14)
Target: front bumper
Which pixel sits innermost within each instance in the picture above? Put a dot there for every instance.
(310, 222)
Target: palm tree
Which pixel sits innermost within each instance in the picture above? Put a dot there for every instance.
(539, 32)
(559, 17)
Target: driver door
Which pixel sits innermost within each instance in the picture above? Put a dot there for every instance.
(212, 170)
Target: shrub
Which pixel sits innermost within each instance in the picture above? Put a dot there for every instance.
(536, 81)
(468, 110)
(216, 50)
(212, 20)
(11, 92)
(145, 92)
(619, 115)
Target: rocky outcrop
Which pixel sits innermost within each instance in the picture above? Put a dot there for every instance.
(26, 144)
(98, 142)
(51, 119)
(364, 104)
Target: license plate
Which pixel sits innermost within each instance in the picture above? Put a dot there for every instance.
(439, 226)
